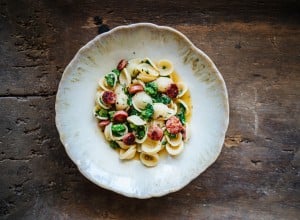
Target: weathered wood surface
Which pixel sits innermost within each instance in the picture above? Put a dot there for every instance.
(256, 46)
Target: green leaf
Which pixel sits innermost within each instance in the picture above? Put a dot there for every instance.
(114, 144)
(116, 71)
(162, 98)
(151, 88)
(111, 114)
(147, 113)
(181, 114)
(102, 113)
(118, 129)
(110, 79)
(140, 132)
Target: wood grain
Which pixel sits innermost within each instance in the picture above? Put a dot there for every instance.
(254, 44)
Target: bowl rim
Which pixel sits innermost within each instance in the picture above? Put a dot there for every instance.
(68, 69)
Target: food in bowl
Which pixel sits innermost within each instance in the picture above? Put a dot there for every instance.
(143, 109)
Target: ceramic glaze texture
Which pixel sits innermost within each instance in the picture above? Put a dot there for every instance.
(85, 143)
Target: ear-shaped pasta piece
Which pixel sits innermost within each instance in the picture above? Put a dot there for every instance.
(125, 78)
(151, 146)
(99, 100)
(187, 134)
(103, 83)
(131, 66)
(122, 98)
(150, 62)
(117, 138)
(149, 160)
(136, 120)
(107, 132)
(146, 77)
(140, 100)
(137, 81)
(165, 67)
(161, 111)
(97, 108)
(182, 89)
(174, 150)
(124, 146)
(140, 141)
(187, 109)
(174, 141)
(127, 154)
(147, 69)
(163, 83)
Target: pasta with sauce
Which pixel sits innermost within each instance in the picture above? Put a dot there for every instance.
(143, 109)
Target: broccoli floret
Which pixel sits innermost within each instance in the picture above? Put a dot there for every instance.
(118, 129)
(110, 79)
(147, 113)
(151, 89)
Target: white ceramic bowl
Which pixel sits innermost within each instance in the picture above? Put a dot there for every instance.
(78, 128)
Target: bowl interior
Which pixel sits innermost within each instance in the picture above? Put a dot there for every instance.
(84, 141)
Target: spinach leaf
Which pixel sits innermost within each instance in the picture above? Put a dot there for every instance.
(181, 114)
(162, 98)
(114, 144)
(102, 113)
(116, 71)
(110, 79)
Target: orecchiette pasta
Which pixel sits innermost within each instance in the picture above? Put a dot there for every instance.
(144, 109)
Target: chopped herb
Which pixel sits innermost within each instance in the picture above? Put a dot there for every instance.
(147, 113)
(164, 142)
(164, 67)
(111, 114)
(114, 145)
(151, 89)
(147, 61)
(110, 79)
(118, 129)
(102, 113)
(116, 71)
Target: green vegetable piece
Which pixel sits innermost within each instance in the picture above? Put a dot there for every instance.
(164, 142)
(114, 145)
(133, 127)
(181, 114)
(147, 113)
(151, 89)
(111, 114)
(102, 113)
(116, 71)
(118, 129)
(140, 132)
(133, 111)
(169, 134)
(162, 98)
(110, 79)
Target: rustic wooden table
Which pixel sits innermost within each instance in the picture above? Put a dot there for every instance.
(256, 46)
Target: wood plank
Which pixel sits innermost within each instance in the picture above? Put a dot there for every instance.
(255, 45)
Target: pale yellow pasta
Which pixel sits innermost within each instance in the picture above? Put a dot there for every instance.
(174, 150)
(151, 146)
(149, 160)
(140, 100)
(165, 67)
(137, 110)
(127, 154)
(175, 141)
(163, 83)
